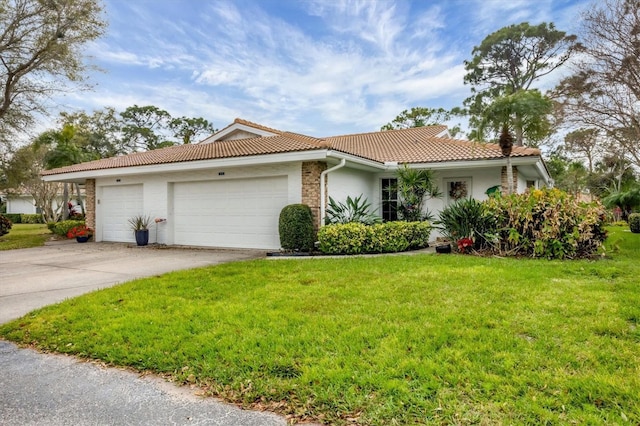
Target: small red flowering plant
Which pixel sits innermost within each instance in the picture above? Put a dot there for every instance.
(464, 244)
(79, 231)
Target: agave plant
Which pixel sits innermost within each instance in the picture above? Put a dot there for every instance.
(355, 210)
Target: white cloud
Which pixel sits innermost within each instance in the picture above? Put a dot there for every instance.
(320, 66)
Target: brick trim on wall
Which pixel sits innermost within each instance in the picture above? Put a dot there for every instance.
(311, 171)
(90, 203)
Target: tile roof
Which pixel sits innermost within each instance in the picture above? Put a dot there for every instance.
(419, 145)
(416, 145)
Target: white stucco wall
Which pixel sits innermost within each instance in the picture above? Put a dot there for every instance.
(21, 205)
(347, 182)
(157, 191)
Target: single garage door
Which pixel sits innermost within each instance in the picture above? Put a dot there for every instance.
(229, 213)
(117, 205)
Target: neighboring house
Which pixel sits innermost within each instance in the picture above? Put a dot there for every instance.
(25, 204)
(20, 204)
(228, 190)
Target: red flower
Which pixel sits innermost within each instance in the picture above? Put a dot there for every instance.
(79, 231)
(464, 244)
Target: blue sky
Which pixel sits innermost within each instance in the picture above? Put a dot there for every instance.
(319, 67)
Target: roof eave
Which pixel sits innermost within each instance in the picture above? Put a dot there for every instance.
(80, 176)
(461, 164)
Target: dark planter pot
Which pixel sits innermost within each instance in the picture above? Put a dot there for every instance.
(443, 248)
(142, 237)
(82, 239)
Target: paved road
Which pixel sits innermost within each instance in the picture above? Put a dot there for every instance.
(55, 390)
(43, 389)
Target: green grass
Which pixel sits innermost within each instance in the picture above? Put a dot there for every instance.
(380, 340)
(25, 236)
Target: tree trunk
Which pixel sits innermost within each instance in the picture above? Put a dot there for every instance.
(510, 188)
(80, 201)
(65, 202)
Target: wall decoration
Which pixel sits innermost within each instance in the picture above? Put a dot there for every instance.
(458, 189)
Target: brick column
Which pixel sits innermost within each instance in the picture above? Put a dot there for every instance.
(311, 171)
(503, 180)
(90, 203)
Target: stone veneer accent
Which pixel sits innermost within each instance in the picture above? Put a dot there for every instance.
(90, 203)
(503, 179)
(311, 171)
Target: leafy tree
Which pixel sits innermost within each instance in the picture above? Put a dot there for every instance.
(508, 62)
(99, 134)
(584, 142)
(22, 174)
(188, 129)
(62, 150)
(421, 116)
(40, 53)
(143, 127)
(529, 109)
(604, 90)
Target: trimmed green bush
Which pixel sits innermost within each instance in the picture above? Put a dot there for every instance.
(13, 217)
(389, 237)
(634, 223)
(296, 228)
(5, 225)
(547, 223)
(61, 228)
(31, 218)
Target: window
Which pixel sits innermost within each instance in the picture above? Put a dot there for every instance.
(389, 199)
(531, 184)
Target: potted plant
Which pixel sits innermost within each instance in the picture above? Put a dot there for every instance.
(81, 233)
(140, 226)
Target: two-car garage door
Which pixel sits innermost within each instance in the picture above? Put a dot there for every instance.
(229, 213)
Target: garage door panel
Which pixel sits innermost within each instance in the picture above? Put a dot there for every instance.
(118, 205)
(229, 213)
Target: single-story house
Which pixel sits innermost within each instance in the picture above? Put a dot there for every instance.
(229, 189)
(23, 203)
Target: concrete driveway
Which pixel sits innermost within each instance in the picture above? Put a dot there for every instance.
(36, 277)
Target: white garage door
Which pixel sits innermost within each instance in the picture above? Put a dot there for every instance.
(231, 213)
(117, 205)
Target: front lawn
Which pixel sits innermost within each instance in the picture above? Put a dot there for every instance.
(24, 235)
(379, 340)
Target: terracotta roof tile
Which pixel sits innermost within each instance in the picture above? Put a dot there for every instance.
(184, 153)
(417, 145)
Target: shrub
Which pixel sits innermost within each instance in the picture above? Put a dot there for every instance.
(62, 228)
(634, 223)
(31, 218)
(547, 223)
(296, 228)
(5, 225)
(355, 210)
(467, 219)
(389, 237)
(13, 217)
